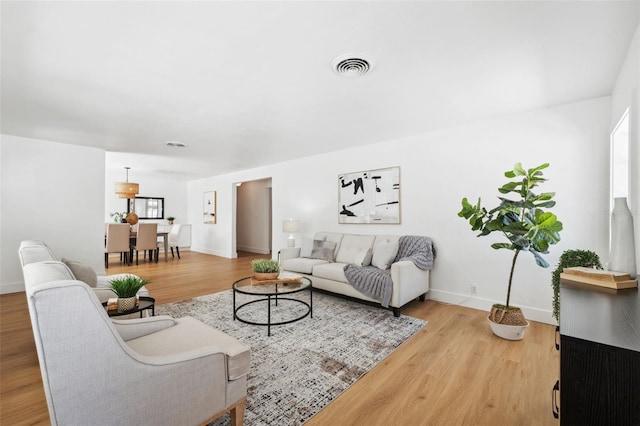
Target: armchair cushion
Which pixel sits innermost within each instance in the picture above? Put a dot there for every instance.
(190, 338)
(82, 272)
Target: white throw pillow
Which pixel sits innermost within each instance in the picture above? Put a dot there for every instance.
(307, 246)
(363, 258)
(384, 255)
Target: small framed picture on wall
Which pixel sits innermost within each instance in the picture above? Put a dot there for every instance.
(209, 205)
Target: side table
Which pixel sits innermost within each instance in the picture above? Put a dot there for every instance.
(144, 303)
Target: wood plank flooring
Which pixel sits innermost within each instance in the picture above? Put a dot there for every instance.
(453, 372)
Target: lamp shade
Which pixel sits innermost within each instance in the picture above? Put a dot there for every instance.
(290, 226)
(127, 189)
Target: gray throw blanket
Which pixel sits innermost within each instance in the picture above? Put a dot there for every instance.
(376, 283)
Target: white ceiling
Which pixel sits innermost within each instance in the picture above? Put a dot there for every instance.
(244, 84)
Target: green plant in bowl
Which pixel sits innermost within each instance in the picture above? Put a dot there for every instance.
(127, 286)
(265, 266)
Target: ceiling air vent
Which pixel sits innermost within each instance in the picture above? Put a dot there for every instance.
(352, 65)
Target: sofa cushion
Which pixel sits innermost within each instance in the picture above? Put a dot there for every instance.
(307, 246)
(324, 250)
(352, 245)
(301, 265)
(82, 271)
(384, 255)
(330, 271)
(363, 258)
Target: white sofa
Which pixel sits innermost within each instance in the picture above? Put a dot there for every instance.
(408, 280)
(37, 251)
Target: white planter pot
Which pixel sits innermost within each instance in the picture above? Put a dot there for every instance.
(509, 332)
(126, 304)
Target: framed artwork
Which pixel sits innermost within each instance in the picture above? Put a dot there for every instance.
(209, 205)
(372, 196)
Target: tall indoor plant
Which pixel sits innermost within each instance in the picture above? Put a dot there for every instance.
(523, 222)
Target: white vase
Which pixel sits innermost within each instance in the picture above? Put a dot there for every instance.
(622, 257)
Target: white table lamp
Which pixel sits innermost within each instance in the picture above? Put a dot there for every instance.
(291, 227)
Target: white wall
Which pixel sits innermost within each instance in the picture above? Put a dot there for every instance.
(51, 192)
(626, 94)
(437, 170)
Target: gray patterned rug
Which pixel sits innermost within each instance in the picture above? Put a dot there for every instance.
(304, 365)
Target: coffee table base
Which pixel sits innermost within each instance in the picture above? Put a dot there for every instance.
(275, 299)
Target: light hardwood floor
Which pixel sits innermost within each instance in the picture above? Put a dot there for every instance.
(452, 372)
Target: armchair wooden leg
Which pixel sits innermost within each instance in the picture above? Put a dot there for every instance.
(237, 414)
(106, 260)
(177, 251)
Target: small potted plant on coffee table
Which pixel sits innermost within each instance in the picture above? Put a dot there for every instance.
(126, 288)
(265, 269)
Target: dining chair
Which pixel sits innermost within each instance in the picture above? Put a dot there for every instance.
(173, 240)
(146, 239)
(117, 241)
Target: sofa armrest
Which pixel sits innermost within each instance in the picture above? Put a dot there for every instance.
(134, 328)
(409, 282)
(288, 253)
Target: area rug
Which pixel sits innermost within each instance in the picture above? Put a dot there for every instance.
(304, 365)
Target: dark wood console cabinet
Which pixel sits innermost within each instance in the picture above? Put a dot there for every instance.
(599, 356)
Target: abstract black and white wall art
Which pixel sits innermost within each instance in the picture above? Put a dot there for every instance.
(372, 196)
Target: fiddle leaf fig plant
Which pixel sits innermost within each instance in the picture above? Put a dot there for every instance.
(521, 219)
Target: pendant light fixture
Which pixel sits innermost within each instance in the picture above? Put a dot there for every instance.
(127, 189)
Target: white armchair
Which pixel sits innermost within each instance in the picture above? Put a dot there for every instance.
(156, 370)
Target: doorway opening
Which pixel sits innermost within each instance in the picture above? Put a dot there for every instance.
(253, 230)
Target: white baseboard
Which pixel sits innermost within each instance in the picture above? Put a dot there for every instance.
(213, 252)
(16, 287)
(258, 250)
(533, 314)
